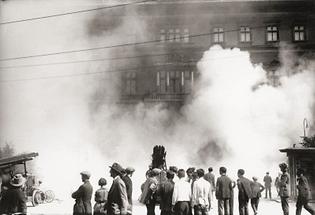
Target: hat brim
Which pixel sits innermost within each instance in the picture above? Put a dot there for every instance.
(118, 171)
(19, 184)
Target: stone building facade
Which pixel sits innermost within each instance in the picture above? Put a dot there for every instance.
(181, 30)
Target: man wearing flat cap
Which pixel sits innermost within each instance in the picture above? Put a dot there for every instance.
(14, 200)
(83, 196)
(117, 201)
(128, 182)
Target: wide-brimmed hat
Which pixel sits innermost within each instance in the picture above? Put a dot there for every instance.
(18, 180)
(129, 170)
(117, 168)
(86, 174)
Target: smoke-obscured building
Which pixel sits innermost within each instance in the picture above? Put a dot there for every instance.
(181, 30)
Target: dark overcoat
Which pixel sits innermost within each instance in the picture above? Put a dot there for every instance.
(224, 187)
(83, 198)
(304, 193)
(166, 193)
(244, 188)
(13, 201)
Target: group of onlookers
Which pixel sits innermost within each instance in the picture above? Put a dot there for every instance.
(118, 200)
(191, 192)
(178, 192)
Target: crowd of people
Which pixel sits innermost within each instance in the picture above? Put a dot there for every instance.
(176, 191)
(187, 192)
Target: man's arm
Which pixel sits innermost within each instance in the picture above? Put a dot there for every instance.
(217, 190)
(77, 194)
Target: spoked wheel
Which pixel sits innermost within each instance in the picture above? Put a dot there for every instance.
(49, 196)
(37, 197)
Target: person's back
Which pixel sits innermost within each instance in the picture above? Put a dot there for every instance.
(83, 196)
(223, 187)
(101, 195)
(13, 201)
(210, 178)
(202, 192)
(166, 192)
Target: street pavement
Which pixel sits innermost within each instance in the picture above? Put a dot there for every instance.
(266, 207)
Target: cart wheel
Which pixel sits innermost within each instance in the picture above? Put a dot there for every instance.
(37, 197)
(49, 196)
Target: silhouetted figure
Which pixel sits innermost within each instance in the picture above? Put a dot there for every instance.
(14, 199)
(100, 198)
(224, 189)
(304, 194)
(83, 196)
(117, 201)
(166, 194)
(257, 189)
(268, 182)
(284, 188)
(244, 192)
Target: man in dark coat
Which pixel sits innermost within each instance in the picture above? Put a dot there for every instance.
(117, 200)
(14, 199)
(284, 188)
(268, 182)
(128, 182)
(304, 194)
(223, 192)
(244, 192)
(83, 196)
(166, 193)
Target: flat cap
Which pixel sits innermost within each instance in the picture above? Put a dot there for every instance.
(129, 170)
(86, 173)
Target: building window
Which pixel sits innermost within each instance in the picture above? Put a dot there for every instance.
(162, 35)
(245, 34)
(174, 81)
(218, 35)
(174, 35)
(299, 33)
(272, 33)
(130, 83)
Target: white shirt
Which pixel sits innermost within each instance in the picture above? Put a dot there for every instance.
(201, 192)
(182, 191)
